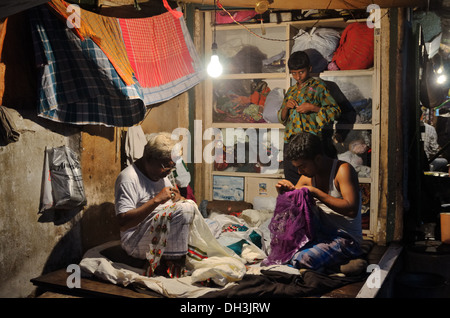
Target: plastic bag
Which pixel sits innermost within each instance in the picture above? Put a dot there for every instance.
(46, 191)
(272, 105)
(62, 182)
(324, 40)
(181, 174)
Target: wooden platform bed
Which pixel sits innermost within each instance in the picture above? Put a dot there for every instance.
(54, 284)
(108, 272)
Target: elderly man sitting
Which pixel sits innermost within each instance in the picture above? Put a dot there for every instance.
(154, 219)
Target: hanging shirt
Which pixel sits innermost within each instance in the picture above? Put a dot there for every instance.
(315, 92)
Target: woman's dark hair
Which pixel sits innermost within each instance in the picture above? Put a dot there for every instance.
(304, 146)
(298, 60)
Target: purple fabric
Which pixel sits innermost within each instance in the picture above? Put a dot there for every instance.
(291, 226)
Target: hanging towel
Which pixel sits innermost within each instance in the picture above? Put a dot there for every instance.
(8, 131)
(135, 142)
(291, 227)
(104, 31)
(2, 65)
(158, 94)
(78, 83)
(157, 49)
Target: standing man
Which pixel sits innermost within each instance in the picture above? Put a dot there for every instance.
(307, 106)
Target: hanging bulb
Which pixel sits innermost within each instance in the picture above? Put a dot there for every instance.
(214, 67)
(441, 79)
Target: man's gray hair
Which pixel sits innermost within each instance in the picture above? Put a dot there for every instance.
(161, 147)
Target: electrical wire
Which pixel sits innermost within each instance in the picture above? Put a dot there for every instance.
(242, 25)
(220, 6)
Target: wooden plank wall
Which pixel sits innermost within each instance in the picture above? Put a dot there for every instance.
(390, 212)
(100, 164)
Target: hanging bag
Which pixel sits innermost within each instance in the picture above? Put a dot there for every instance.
(62, 186)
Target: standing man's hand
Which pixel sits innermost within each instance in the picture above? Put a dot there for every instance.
(291, 104)
(307, 108)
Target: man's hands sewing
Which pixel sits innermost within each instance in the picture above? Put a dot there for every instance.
(284, 186)
(166, 194)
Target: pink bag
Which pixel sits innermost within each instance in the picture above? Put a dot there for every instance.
(239, 16)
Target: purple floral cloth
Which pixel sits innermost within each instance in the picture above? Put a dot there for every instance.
(291, 227)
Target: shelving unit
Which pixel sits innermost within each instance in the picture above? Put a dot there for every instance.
(241, 74)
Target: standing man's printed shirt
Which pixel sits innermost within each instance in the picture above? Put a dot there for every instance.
(315, 92)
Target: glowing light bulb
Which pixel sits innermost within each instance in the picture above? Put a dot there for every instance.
(214, 67)
(441, 79)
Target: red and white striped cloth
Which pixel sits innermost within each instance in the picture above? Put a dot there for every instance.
(157, 49)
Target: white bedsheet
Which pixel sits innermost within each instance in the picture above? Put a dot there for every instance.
(222, 265)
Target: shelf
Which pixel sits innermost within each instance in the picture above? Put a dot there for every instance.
(248, 174)
(355, 88)
(338, 23)
(266, 175)
(351, 126)
(247, 125)
(281, 75)
(367, 72)
(302, 24)
(225, 27)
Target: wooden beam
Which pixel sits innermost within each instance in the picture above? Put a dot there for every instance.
(315, 4)
(201, 180)
(56, 282)
(380, 234)
(398, 170)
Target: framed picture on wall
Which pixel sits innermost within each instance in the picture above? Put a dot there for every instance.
(228, 188)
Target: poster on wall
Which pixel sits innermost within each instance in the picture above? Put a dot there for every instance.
(228, 188)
